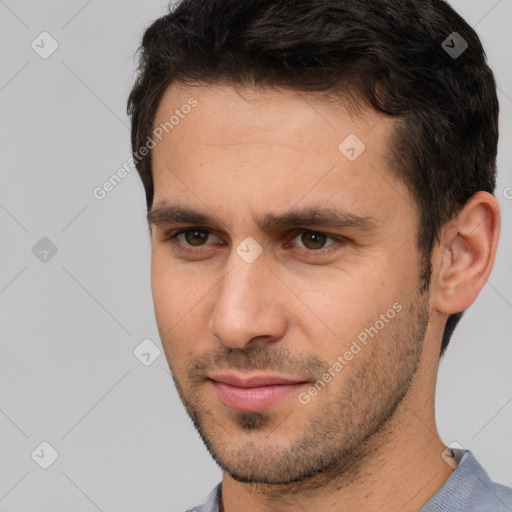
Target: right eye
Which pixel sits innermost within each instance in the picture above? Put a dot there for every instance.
(191, 237)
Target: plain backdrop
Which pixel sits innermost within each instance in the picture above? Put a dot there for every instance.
(75, 297)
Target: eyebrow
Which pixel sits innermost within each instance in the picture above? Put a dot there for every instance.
(300, 217)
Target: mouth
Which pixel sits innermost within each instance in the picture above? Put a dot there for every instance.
(255, 392)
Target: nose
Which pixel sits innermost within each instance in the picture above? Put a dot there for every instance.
(249, 304)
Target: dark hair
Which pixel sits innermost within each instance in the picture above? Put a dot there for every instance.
(398, 56)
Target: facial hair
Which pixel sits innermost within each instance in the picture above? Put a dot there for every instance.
(332, 435)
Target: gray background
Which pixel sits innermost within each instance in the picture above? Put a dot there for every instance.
(68, 375)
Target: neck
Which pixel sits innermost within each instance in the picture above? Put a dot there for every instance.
(399, 468)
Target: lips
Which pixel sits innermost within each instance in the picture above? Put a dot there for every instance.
(255, 392)
(253, 381)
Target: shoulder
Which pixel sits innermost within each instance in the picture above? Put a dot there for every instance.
(210, 503)
(470, 489)
(503, 495)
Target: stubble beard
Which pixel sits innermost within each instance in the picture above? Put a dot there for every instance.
(255, 448)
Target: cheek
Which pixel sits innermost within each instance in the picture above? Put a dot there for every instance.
(165, 288)
(341, 306)
(174, 291)
(179, 301)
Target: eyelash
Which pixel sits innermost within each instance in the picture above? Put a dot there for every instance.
(172, 237)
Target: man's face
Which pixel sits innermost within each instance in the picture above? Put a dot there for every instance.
(235, 297)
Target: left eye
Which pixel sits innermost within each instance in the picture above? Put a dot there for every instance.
(313, 240)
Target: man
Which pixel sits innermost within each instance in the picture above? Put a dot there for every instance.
(319, 181)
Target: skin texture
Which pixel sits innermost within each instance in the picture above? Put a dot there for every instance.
(367, 440)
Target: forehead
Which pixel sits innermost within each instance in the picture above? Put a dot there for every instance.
(248, 148)
(221, 109)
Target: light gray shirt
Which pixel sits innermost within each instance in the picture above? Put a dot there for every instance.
(469, 489)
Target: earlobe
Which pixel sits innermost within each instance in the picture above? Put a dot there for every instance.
(466, 253)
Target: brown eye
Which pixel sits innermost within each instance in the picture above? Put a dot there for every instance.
(313, 240)
(195, 237)
(311, 244)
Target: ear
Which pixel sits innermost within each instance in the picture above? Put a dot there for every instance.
(465, 255)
